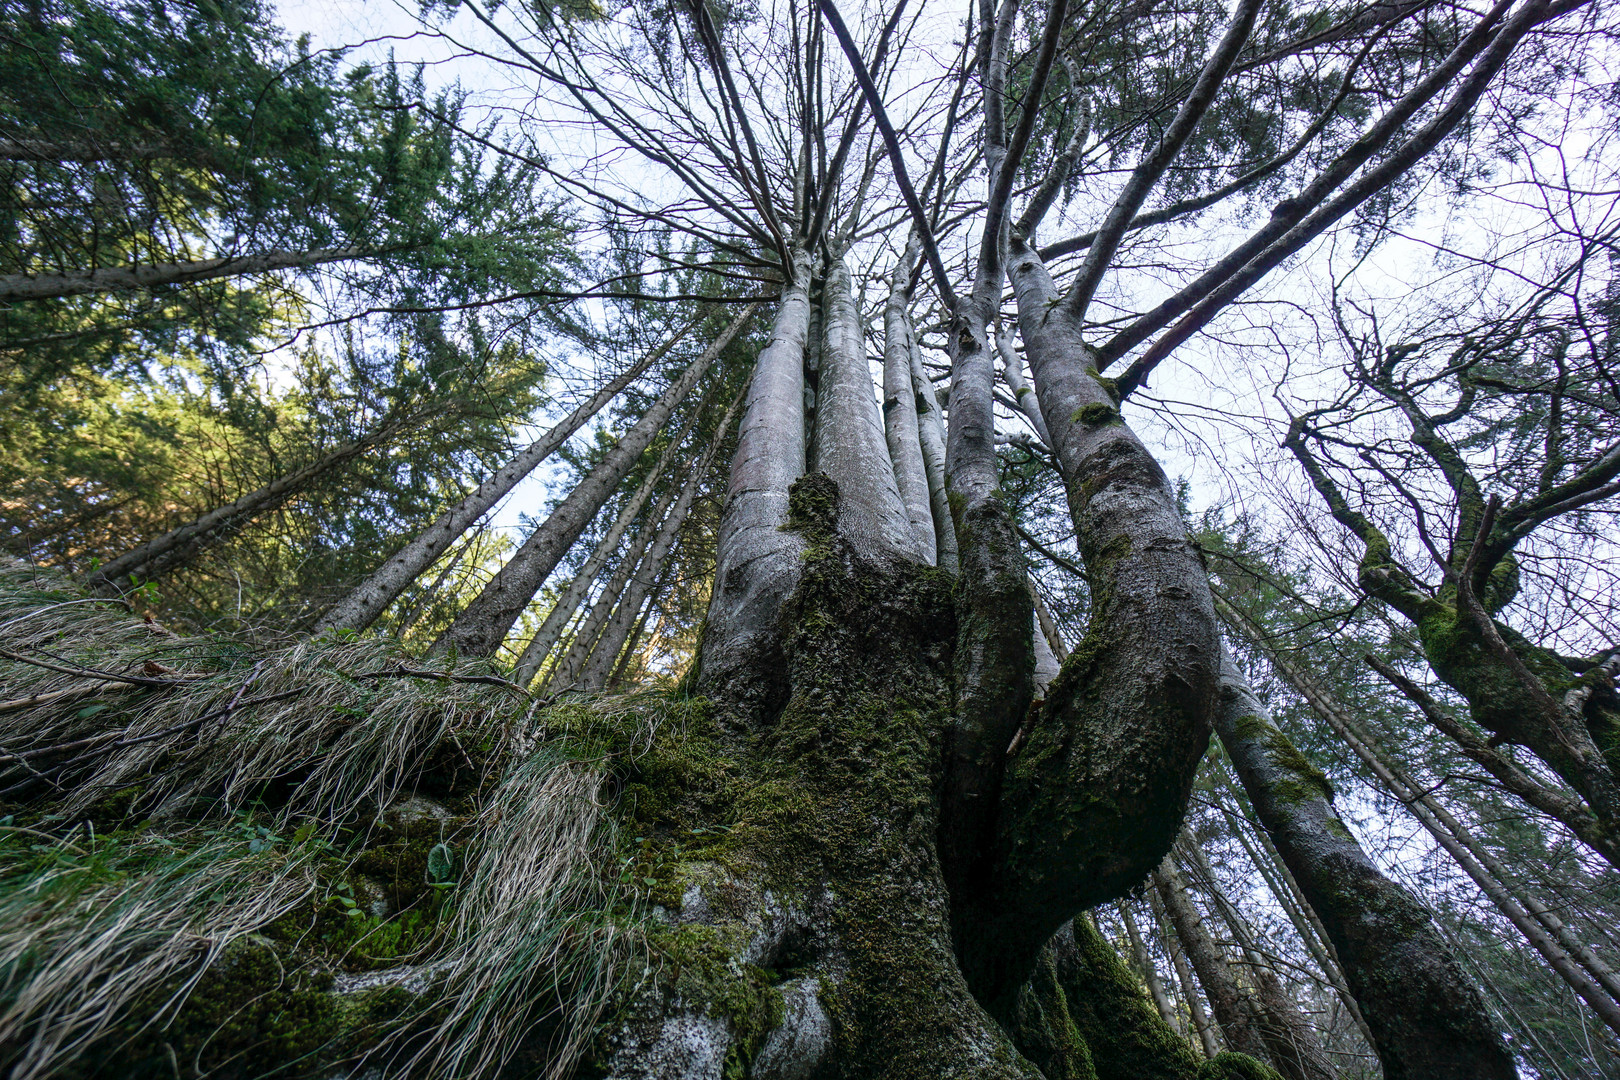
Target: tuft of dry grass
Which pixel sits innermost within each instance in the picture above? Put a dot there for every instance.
(318, 737)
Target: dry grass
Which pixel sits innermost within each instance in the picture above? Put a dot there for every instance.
(531, 933)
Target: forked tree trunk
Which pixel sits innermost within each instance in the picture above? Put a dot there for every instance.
(371, 597)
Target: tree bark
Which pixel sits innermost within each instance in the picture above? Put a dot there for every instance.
(756, 561)
(483, 626)
(15, 287)
(545, 639)
(1427, 1019)
(931, 433)
(174, 547)
(595, 673)
(1232, 1009)
(850, 446)
(900, 420)
(371, 597)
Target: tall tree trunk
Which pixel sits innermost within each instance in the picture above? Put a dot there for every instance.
(545, 639)
(371, 597)
(931, 433)
(1427, 1019)
(1184, 976)
(757, 562)
(1290, 1038)
(566, 673)
(595, 672)
(850, 446)
(621, 670)
(1594, 981)
(14, 287)
(483, 626)
(900, 420)
(1144, 965)
(1233, 1011)
(179, 544)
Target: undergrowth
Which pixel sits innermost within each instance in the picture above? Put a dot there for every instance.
(226, 858)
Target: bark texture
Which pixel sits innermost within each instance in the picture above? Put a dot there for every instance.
(757, 562)
(1426, 1018)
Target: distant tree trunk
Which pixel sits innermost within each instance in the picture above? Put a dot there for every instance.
(545, 639)
(16, 287)
(1184, 976)
(1428, 1020)
(1292, 1042)
(1232, 1008)
(371, 597)
(595, 673)
(931, 433)
(1144, 965)
(178, 545)
(483, 626)
(621, 670)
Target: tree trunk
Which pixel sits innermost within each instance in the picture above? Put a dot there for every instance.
(483, 626)
(757, 560)
(1427, 1019)
(900, 420)
(545, 639)
(596, 670)
(1144, 965)
(1184, 976)
(931, 433)
(1233, 1011)
(1292, 1042)
(14, 287)
(179, 544)
(371, 597)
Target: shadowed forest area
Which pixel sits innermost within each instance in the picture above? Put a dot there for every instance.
(1011, 539)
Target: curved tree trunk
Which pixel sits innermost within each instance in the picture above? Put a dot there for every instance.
(371, 597)
(1426, 1018)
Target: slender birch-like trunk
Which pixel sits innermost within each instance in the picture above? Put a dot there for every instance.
(175, 547)
(901, 423)
(595, 672)
(1427, 1018)
(480, 629)
(371, 597)
(1233, 1011)
(545, 639)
